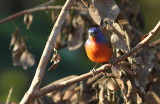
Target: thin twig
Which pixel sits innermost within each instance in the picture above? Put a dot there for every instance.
(154, 43)
(47, 3)
(101, 69)
(119, 35)
(36, 9)
(21, 13)
(9, 95)
(29, 96)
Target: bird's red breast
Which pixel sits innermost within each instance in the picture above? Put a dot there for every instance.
(98, 52)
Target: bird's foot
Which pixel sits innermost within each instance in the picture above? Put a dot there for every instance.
(93, 71)
(110, 62)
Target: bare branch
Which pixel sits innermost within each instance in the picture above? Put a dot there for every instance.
(48, 89)
(57, 86)
(155, 43)
(9, 95)
(29, 96)
(60, 80)
(47, 3)
(21, 13)
(36, 9)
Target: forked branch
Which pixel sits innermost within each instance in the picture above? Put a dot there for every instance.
(29, 96)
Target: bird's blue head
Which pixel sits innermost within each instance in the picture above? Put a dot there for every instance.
(96, 35)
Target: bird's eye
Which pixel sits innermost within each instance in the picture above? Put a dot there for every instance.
(96, 32)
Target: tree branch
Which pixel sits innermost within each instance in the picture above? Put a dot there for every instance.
(29, 95)
(9, 95)
(50, 88)
(54, 87)
(154, 43)
(47, 3)
(36, 9)
(21, 13)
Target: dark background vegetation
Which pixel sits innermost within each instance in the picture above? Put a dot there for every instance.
(72, 62)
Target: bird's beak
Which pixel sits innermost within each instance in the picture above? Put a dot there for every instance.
(92, 34)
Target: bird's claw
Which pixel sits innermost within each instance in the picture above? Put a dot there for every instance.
(93, 71)
(111, 62)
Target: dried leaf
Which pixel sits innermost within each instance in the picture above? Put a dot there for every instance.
(43, 100)
(53, 16)
(55, 59)
(75, 39)
(54, 66)
(57, 97)
(27, 59)
(112, 85)
(103, 10)
(102, 99)
(28, 19)
(16, 58)
(122, 38)
(14, 38)
(129, 88)
(74, 98)
(123, 21)
(17, 46)
(58, 43)
(74, 42)
(68, 20)
(119, 43)
(78, 22)
(116, 72)
(68, 94)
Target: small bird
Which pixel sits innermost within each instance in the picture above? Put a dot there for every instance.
(96, 46)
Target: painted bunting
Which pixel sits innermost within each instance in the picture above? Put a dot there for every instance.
(96, 46)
